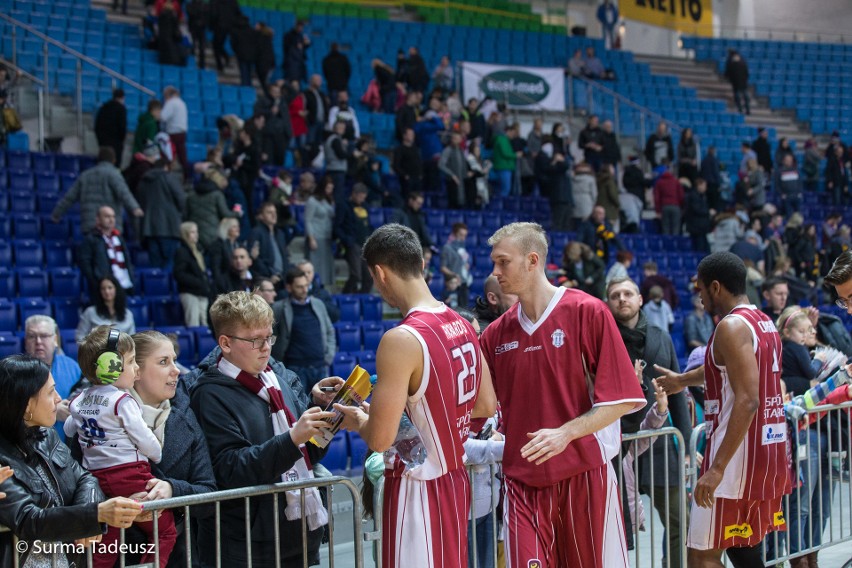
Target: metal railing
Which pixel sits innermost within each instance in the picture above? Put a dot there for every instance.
(768, 33)
(40, 89)
(81, 59)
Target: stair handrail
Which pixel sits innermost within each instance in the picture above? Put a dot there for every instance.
(10, 65)
(73, 52)
(41, 89)
(768, 33)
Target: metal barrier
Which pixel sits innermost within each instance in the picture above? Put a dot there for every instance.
(821, 499)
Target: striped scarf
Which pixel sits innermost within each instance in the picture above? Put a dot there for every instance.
(117, 258)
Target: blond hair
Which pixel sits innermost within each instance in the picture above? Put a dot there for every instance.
(529, 237)
(186, 227)
(94, 345)
(239, 309)
(146, 342)
(789, 317)
(225, 226)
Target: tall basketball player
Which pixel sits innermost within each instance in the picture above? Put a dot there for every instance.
(429, 367)
(737, 499)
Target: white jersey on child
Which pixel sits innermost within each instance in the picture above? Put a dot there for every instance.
(111, 429)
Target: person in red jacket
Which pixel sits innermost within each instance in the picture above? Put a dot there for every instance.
(298, 119)
(668, 201)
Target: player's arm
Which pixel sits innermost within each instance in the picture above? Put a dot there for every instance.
(398, 358)
(549, 442)
(486, 399)
(734, 348)
(673, 382)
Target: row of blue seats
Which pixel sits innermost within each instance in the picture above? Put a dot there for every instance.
(745, 45)
(29, 227)
(365, 337)
(44, 161)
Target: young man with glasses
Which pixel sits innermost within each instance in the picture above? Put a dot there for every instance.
(840, 276)
(257, 422)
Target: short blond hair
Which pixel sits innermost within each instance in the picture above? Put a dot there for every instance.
(186, 227)
(225, 226)
(239, 309)
(530, 237)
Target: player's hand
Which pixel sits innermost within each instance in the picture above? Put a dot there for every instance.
(309, 425)
(706, 487)
(5, 473)
(544, 444)
(324, 398)
(354, 417)
(669, 380)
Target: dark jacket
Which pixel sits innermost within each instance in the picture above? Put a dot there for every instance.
(418, 75)
(312, 100)
(282, 311)
(337, 70)
(169, 39)
(764, 153)
(320, 292)
(711, 171)
(697, 214)
(30, 512)
(163, 200)
(224, 14)
(111, 123)
(246, 452)
(635, 181)
(190, 277)
(350, 228)
(219, 256)
(667, 191)
(198, 14)
(593, 268)
(407, 162)
(206, 207)
(244, 42)
(483, 312)
(736, 72)
(262, 265)
(265, 59)
(277, 125)
(651, 145)
(94, 262)
(552, 179)
(659, 350)
(406, 117)
(414, 220)
(611, 153)
(796, 368)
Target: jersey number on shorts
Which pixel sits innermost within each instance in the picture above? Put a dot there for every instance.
(467, 376)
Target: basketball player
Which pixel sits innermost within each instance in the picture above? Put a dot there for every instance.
(737, 499)
(430, 366)
(563, 379)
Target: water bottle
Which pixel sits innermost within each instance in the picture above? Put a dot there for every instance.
(408, 445)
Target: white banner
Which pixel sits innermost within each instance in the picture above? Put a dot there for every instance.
(531, 88)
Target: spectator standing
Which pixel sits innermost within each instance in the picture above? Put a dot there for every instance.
(407, 115)
(837, 175)
(245, 167)
(456, 261)
(763, 151)
(165, 202)
(634, 180)
(659, 148)
(245, 45)
(319, 230)
(239, 277)
(261, 444)
(296, 43)
(306, 342)
(206, 207)
(104, 252)
(493, 303)
(711, 172)
(268, 245)
(788, 185)
(611, 151)
(784, 149)
(592, 142)
(317, 289)
(669, 201)
(504, 160)
(111, 125)
(277, 128)
(418, 75)
(687, 156)
(147, 126)
(583, 269)
(383, 75)
(175, 123)
(198, 14)
(298, 120)
(109, 308)
(443, 74)
(318, 107)
(190, 273)
(96, 187)
(754, 185)
(585, 192)
(337, 159)
(223, 15)
(345, 113)
(169, 36)
(698, 327)
(407, 164)
(810, 165)
(352, 227)
(608, 17)
(736, 72)
(608, 196)
(337, 71)
(553, 182)
(453, 165)
(653, 278)
(698, 215)
(140, 164)
(411, 215)
(220, 251)
(264, 63)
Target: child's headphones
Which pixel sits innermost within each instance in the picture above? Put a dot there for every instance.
(110, 365)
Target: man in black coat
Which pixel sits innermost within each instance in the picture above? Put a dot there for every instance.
(411, 215)
(223, 15)
(317, 105)
(268, 245)
(257, 439)
(337, 71)
(111, 125)
(407, 164)
(103, 253)
(736, 72)
(352, 227)
(244, 43)
(418, 75)
(550, 171)
(198, 14)
(763, 151)
(293, 38)
(277, 129)
(654, 346)
(698, 216)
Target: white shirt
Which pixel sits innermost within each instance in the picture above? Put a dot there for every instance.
(348, 115)
(111, 429)
(175, 116)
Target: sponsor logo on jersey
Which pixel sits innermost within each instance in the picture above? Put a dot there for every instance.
(741, 531)
(558, 338)
(533, 348)
(778, 519)
(506, 347)
(711, 407)
(774, 434)
(534, 563)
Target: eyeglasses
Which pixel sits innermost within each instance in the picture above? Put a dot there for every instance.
(842, 303)
(37, 336)
(257, 343)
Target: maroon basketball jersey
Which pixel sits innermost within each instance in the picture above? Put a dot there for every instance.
(441, 408)
(758, 469)
(549, 372)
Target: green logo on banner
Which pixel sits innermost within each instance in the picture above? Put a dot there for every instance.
(515, 87)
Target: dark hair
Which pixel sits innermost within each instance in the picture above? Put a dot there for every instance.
(21, 378)
(120, 303)
(624, 256)
(458, 227)
(118, 94)
(154, 104)
(319, 190)
(396, 247)
(841, 270)
(726, 268)
(466, 314)
(106, 154)
(292, 274)
(772, 282)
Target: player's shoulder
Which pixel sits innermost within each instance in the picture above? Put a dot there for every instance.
(580, 304)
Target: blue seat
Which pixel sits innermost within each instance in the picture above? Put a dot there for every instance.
(10, 344)
(7, 283)
(18, 160)
(371, 308)
(8, 315)
(22, 201)
(64, 282)
(140, 309)
(32, 306)
(69, 342)
(43, 162)
(343, 364)
(32, 282)
(358, 451)
(348, 336)
(21, 180)
(67, 163)
(51, 231)
(66, 312)
(372, 335)
(47, 181)
(26, 226)
(205, 341)
(166, 310)
(155, 282)
(58, 254)
(28, 253)
(186, 343)
(337, 456)
(367, 360)
(350, 308)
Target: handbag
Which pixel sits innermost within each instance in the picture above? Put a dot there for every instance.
(12, 120)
